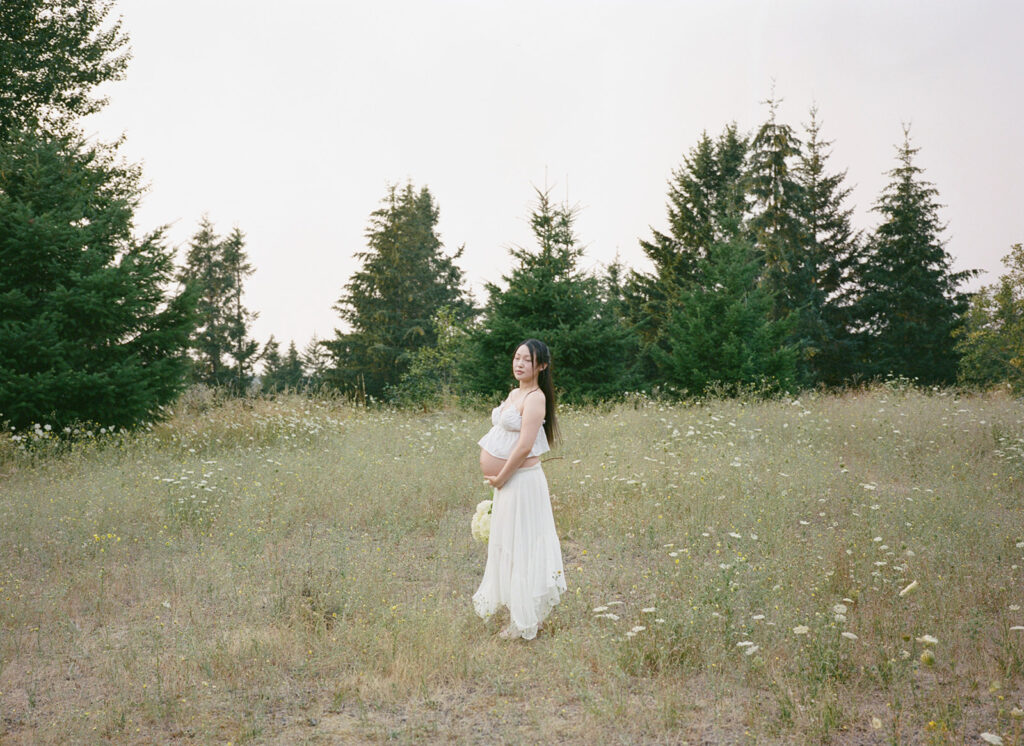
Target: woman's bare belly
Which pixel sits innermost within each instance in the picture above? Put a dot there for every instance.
(491, 465)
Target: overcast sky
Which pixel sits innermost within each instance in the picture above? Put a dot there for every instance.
(291, 119)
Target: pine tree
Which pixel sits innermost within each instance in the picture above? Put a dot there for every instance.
(241, 348)
(910, 305)
(706, 197)
(89, 330)
(777, 222)
(271, 357)
(316, 360)
(833, 254)
(721, 333)
(389, 303)
(547, 297)
(52, 57)
(223, 354)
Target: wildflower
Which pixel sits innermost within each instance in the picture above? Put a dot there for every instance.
(876, 723)
(599, 609)
(839, 609)
(850, 636)
(744, 644)
(1017, 628)
(928, 657)
(735, 535)
(638, 628)
(648, 610)
(1014, 607)
(801, 629)
(909, 589)
(751, 650)
(927, 640)
(609, 615)
(991, 738)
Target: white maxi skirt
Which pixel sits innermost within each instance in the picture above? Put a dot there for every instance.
(524, 559)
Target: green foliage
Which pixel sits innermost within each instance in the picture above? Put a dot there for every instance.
(389, 303)
(223, 354)
(88, 330)
(910, 305)
(52, 54)
(707, 196)
(721, 333)
(833, 252)
(991, 341)
(316, 360)
(281, 374)
(548, 298)
(434, 377)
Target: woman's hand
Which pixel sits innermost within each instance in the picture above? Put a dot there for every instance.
(492, 479)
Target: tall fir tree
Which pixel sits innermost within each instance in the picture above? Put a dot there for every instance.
(241, 348)
(721, 332)
(706, 198)
(316, 360)
(910, 305)
(223, 353)
(548, 298)
(89, 330)
(777, 221)
(53, 56)
(271, 357)
(834, 251)
(389, 302)
(89, 327)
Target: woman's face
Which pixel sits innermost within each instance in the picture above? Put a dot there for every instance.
(523, 367)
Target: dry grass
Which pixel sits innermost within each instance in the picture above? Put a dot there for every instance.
(297, 571)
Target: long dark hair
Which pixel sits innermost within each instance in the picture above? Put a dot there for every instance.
(541, 355)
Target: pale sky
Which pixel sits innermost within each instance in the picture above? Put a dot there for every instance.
(291, 119)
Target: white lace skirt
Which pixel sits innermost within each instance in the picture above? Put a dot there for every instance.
(524, 558)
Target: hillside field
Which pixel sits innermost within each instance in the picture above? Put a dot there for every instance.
(829, 569)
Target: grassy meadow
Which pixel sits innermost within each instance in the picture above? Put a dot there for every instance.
(833, 569)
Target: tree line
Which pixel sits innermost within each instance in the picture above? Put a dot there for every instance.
(759, 281)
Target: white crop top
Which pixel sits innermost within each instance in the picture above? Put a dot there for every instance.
(503, 436)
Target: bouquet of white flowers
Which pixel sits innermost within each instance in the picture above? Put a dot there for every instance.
(482, 521)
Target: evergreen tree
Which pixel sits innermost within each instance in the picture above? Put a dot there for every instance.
(721, 332)
(833, 254)
(242, 350)
(910, 306)
(706, 197)
(548, 298)
(991, 341)
(223, 354)
(291, 376)
(88, 328)
(316, 360)
(271, 357)
(52, 56)
(389, 303)
(778, 226)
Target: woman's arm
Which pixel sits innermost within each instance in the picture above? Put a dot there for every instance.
(533, 418)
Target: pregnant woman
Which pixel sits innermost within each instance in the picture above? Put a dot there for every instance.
(524, 558)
